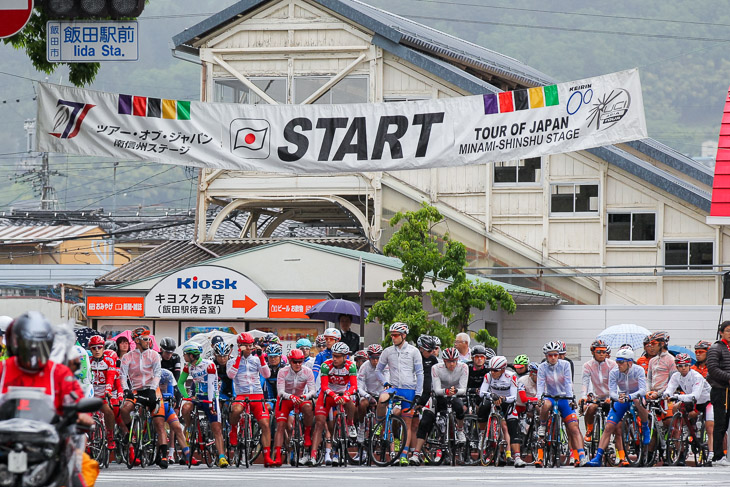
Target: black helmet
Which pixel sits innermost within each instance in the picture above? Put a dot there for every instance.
(426, 342)
(111, 345)
(32, 340)
(168, 344)
(479, 350)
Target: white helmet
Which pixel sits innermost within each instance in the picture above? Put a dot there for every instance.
(625, 354)
(498, 362)
(333, 333)
(4, 322)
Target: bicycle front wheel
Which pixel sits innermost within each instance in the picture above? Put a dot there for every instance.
(135, 443)
(631, 436)
(469, 453)
(388, 440)
(676, 447)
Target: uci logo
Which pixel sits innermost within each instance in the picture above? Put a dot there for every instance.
(609, 109)
(250, 138)
(69, 115)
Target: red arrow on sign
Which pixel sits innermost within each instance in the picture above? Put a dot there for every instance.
(14, 14)
(246, 303)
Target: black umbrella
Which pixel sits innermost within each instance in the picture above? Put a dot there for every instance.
(83, 334)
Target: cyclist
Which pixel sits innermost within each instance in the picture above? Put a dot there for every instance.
(701, 349)
(477, 369)
(595, 383)
(273, 359)
(369, 386)
(647, 355)
(117, 390)
(564, 356)
(295, 387)
(339, 383)
(104, 371)
(245, 371)
(222, 354)
(406, 377)
(427, 346)
(520, 365)
(554, 379)
(437, 347)
(331, 336)
(500, 389)
(627, 385)
(527, 387)
(360, 357)
(167, 387)
(305, 346)
(170, 360)
(140, 376)
(448, 379)
(695, 388)
(320, 343)
(205, 376)
(661, 367)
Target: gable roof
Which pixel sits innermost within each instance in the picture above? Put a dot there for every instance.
(431, 50)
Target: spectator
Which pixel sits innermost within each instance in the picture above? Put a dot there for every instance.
(351, 338)
(718, 375)
(461, 343)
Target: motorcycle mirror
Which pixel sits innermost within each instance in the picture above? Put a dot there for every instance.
(89, 405)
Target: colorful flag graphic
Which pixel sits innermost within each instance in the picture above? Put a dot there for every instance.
(142, 106)
(510, 101)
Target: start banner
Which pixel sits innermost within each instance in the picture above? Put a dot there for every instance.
(306, 139)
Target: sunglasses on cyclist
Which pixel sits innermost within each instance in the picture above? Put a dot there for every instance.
(601, 350)
(145, 338)
(552, 354)
(682, 365)
(623, 360)
(96, 347)
(298, 362)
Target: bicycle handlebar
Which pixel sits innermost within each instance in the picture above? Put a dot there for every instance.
(191, 399)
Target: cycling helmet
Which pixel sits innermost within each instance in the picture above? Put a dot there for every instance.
(168, 344)
(437, 341)
(426, 342)
(215, 340)
(683, 359)
(193, 349)
(111, 345)
(360, 354)
(522, 360)
(303, 343)
(498, 362)
(659, 336)
(703, 345)
(563, 346)
(32, 339)
(374, 350)
(340, 348)
(625, 354)
(273, 339)
(625, 345)
(551, 347)
(399, 327)
(138, 332)
(274, 350)
(598, 343)
(244, 339)
(221, 349)
(333, 333)
(320, 341)
(269, 337)
(647, 339)
(4, 323)
(96, 340)
(450, 354)
(533, 366)
(490, 353)
(295, 354)
(479, 350)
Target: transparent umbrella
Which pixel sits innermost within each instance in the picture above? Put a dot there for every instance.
(617, 335)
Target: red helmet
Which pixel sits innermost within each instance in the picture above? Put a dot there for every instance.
(96, 340)
(703, 345)
(295, 354)
(450, 354)
(683, 359)
(245, 339)
(138, 332)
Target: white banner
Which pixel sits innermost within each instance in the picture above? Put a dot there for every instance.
(303, 139)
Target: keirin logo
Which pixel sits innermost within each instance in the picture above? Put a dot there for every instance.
(69, 115)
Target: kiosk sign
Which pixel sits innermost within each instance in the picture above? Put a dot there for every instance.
(77, 41)
(206, 291)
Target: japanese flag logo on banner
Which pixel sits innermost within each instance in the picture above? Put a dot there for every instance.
(249, 138)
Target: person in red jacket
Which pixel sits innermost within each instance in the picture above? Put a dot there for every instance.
(31, 339)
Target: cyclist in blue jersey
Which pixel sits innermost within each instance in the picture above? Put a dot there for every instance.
(167, 387)
(331, 336)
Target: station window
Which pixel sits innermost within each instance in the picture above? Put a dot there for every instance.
(524, 171)
(352, 89)
(574, 199)
(631, 227)
(231, 90)
(684, 256)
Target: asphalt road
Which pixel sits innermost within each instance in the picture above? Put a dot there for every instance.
(119, 475)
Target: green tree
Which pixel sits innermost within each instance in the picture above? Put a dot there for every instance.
(417, 247)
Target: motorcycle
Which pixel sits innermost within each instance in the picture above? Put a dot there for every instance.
(37, 447)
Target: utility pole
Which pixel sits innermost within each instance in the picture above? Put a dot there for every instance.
(40, 180)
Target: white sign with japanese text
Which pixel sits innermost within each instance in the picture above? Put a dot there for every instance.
(206, 292)
(86, 41)
(311, 139)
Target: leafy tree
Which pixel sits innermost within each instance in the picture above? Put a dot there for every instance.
(418, 249)
(33, 39)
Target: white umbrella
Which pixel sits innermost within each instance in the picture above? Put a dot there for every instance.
(617, 335)
(204, 339)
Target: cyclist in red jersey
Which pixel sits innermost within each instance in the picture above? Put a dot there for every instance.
(103, 369)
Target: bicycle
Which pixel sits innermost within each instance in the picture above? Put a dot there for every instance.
(610, 458)
(389, 435)
(470, 452)
(556, 444)
(340, 439)
(685, 435)
(493, 442)
(658, 433)
(361, 457)
(249, 435)
(142, 436)
(442, 438)
(530, 422)
(96, 441)
(632, 437)
(198, 434)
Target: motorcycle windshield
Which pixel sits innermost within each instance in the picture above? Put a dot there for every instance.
(27, 403)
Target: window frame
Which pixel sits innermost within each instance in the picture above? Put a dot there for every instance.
(636, 243)
(326, 78)
(688, 267)
(251, 79)
(517, 183)
(574, 214)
